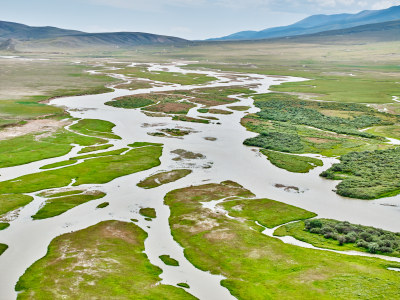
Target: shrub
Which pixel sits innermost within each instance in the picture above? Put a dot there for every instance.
(351, 237)
(362, 244)
(315, 230)
(341, 239)
(373, 247)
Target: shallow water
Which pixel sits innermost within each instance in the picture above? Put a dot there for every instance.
(28, 239)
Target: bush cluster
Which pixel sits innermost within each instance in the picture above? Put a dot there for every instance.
(373, 239)
(368, 174)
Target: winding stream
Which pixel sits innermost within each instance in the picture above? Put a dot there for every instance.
(28, 240)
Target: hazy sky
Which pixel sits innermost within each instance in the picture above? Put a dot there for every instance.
(192, 19)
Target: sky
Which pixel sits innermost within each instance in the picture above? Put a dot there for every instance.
(191, 19)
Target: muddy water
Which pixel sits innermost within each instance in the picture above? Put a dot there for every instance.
(230, 160)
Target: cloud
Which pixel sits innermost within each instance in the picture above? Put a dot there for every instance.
(385, 4)
(299, 6)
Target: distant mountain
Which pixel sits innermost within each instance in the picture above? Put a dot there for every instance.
(24, 32)
(14, 36)
(121, 39)
(320, 23)
(377, 32)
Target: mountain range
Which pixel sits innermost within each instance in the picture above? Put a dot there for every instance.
(14, 33)
(369, 25)
(320, 23)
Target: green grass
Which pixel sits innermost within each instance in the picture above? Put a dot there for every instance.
(95, 148)
(268, 213)
(10, 202)
(163, 178)
(148, 212)
(239, 108)
(3, 247)
(184, 285)
(368, 174)
(29, 148)
(292, 163)
(346, 89)
(59, 164)
(386, 131)
(60, 194)
(94, 127)
(260, 267)
(4, 226)
(106, 258)
(93, 171)
(132, 101)
(103, 205)
(24, 83)
(143, 144)
(56, 206)
(101, 154)
(135, 85)
(171, 77)
(169, 261)
(190, 119)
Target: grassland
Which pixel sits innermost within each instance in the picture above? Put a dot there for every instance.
(33, 147)
(94, 127)
(56, 206)
(24, 84)
(239, 107)
(260, 267)
(10, 202)
(336, 235)
(159, 179)
(292, 163)
(268, 213)
(134, 85)
(170, 77)
(95, 148)
(97, 170)
(106, 259)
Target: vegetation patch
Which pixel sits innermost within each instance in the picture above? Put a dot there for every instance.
(260, 267)
(132, 101)
(239, 107)
(336, 235)
(169, 261)
(106, 259)
(34, 147)
(59, 164)
(95, 148)
(97, 170)
(148, 212)
(176, 131)
(292, 163)
(103, 205)
(368, 174)
(135, 85)
(10, 202)
(94, 127)
(190, 119)
(214, 111)
(184, 285)
(171, 77)
(183, 154)
(56, 193)
(159, 179)
(214, 96)
(171, 107)
(56, 206)
(4, 226)
(3, 247)
(268, 213)
(143, 144)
